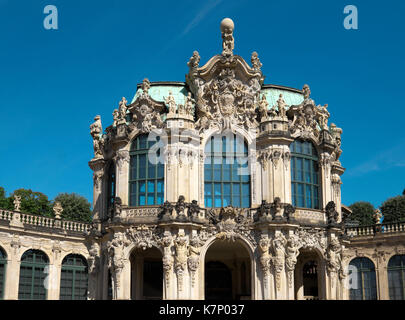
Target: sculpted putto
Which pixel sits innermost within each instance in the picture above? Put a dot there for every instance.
(95, 131)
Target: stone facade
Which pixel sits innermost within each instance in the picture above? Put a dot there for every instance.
(265, 247)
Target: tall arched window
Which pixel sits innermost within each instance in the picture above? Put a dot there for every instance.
(33, 271)
(74, 278)
(362, 274)
(226, 173)
(304, 175)
(396, 277)
(110, 185)
(3, 263)
(146, 180)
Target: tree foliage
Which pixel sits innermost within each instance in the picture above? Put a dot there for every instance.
(33, 202)
(393, 209)
(363, 212)
(75, 207)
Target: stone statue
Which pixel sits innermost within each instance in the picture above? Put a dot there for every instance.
(331, 213)
(279, 256)
(17, 203)
(171, 103)
(334, 256)
(264, 211)
(377, 216)
(189, 105)
(256, 64)
(194, 61)
(281, 106)
(167, 256)
(122, 110)
(292, 252)
(115, 117)
(193, 260)
(306, 91)
(57, 209)
(180, 208)
(145, 86)
(193, 209)
(227, 27)
(117, 207)
(264, 246)
(323, 115)
(95, 131)
(278, 208)
(180, 259)
(263, 104)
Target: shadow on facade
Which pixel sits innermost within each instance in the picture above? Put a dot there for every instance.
(227, 272)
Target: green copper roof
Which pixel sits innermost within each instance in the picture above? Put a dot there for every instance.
(160, 90)
(290, 96)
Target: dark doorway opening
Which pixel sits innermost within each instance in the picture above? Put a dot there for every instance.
(310, 280)
(218, 281)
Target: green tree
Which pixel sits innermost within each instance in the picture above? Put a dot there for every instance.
(75, 207)
(393, 209)
(33, 202)
(363, 212)
(4, 201)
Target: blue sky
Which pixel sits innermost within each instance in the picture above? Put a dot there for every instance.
(53, 82)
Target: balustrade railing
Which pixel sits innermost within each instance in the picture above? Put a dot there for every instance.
(41, 221)
(384, 228)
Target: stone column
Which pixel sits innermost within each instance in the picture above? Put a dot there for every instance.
(325, 178)
(122, 283)
(97, 165)
(382, 277)
(12, 278)
(122, 175)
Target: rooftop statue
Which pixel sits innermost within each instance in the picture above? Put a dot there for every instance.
(227, 27)
(95, 131)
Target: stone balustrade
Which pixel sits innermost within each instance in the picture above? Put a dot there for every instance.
(384, 228)
(42, 221)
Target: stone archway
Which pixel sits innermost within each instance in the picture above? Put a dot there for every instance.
(309, 276)
(228, 270)
(146, 274)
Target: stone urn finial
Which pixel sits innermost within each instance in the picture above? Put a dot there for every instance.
(57, 209)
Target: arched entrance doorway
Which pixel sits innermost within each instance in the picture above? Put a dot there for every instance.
(227, 271)
(146, 274)
(308, 277)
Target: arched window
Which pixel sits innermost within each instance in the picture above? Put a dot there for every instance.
(396, 277)
(304, 175)
(33, 273)
(110, 185)
(226, 173)
(74, 278)
(3, 263)
(146, 180)
(363, 281)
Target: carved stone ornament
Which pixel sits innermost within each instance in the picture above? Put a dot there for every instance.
(312, 239)
(193, 260)
(334, 259)
(121, 157)
(331, 213)
(264, 246)
(278, 246)
(292, 252)
(180, 259)
(226, 89)
(230, 223)
(57, 210)
(17, 203)
(142, 236)
(166, 244)
(146, 111)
